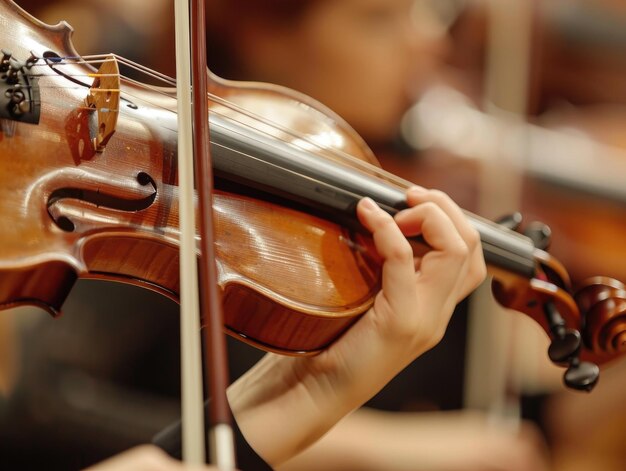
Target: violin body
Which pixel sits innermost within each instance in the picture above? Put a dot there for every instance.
(291, 282)
(89, 189)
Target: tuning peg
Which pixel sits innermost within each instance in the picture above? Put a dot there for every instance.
(540, 234)
(565, 347)
(582, 376)
(566, 342)
(510, 221)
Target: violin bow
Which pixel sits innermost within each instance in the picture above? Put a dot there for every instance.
(193, 140)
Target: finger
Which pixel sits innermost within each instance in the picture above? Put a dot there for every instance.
(440, 233)
(431, 222)
(417, 195)
(398, 267)
(441, 268)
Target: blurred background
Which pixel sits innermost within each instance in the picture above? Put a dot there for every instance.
(506, 105)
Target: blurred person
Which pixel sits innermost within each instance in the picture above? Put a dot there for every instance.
(367, 60)
(112, 24)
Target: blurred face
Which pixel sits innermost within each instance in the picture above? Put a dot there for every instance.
(365, 59)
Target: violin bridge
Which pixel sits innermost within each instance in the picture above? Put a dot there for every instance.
(104, 98)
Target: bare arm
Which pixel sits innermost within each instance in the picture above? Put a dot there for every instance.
(371, 440)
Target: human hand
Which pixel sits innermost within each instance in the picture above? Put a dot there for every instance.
(418, 296)
(305, 396)
(146, 458)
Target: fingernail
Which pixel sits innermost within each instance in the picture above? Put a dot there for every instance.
(369, 204)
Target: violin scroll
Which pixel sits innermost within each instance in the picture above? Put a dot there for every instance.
(586, 326)
(547, 299)
(602, 303)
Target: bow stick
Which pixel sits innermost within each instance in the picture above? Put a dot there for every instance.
(193, 139)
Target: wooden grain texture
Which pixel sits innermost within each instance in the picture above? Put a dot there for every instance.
(69, 211)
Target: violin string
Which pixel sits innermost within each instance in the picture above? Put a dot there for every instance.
(337, 154)
(171, 81)
(95, 59)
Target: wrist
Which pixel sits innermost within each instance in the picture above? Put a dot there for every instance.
(278, 412)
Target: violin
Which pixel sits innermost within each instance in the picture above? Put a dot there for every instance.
(89, 189)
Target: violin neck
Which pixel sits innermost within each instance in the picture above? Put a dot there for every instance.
(262, 163)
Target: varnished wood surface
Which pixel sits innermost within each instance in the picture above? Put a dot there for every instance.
(69, 211)
(113, 214)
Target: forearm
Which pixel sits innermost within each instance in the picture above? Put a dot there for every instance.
(300, 399)
(451, 441)
(278, 414)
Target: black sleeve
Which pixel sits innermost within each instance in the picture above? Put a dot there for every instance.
(170, 440)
